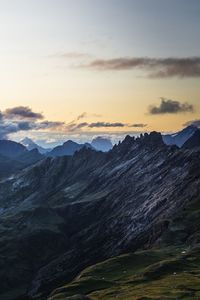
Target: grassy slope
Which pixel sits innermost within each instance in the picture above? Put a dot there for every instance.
(171, 272)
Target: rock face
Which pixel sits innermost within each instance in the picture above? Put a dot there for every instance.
(180, 137)
(64, 214)
(68, 148)
(193, 141)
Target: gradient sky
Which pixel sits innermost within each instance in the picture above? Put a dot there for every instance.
(48, 47)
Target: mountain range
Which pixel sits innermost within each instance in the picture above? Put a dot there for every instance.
(64, 214)
(17, 156)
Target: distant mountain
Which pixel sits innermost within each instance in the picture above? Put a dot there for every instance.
(68, 148)
(193, 141)
(102, 144)
(9, 166)
(30, 157)
(11, 149)
(180, 137)
(30, 145)
(15, 157)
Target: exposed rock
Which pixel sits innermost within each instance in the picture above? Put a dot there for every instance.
(193, 141)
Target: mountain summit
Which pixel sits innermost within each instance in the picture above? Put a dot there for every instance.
(30, 145)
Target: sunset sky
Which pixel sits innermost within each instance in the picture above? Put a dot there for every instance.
(93, 67)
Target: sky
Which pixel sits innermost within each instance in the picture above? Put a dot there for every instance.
(98, 67)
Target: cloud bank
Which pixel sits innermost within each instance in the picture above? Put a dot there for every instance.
(23, 118)
(168, 106)
(22, 112)
(155, 67)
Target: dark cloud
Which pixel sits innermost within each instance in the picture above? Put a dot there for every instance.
(22, 118)
(23, 112)
(138, 125)
(168, 106)
(193, 122)
(50, 125)
(155, 67)
(105, 124)
(8, 128)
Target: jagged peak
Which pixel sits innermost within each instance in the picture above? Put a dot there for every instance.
(154, 138)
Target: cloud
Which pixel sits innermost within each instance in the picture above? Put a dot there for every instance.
(82, 116)
(18, 119)
(22, 118)
(155, 67)
(138, 125)
(105, 124)
(22, 112)
(77, 126)
(168, 106)
(52, 125)
(193, 122)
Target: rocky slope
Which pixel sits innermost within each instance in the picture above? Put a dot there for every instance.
(180, 137)
(193, 141)
(15, 157)
(64, 214)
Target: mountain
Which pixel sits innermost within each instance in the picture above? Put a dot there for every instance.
(15, 157)
(9, 166)
(180, 137)
(64, 214)
(11, 149)
(102, 144)
(68, 148)
(193, 141)
(30, 157)
(30, 145)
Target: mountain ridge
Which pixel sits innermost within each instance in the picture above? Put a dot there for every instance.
(92, 206)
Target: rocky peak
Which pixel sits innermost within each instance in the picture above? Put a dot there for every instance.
(153, 139)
